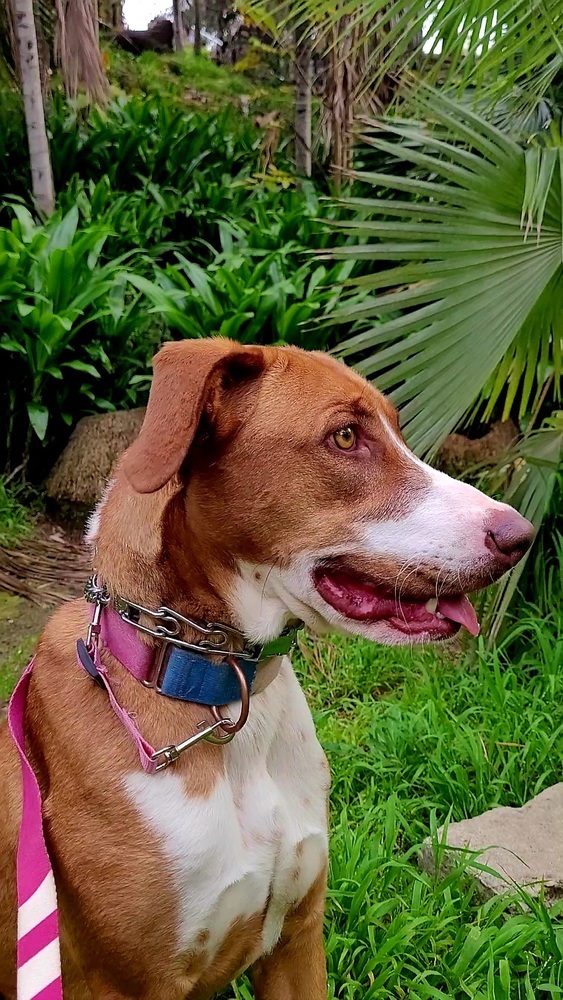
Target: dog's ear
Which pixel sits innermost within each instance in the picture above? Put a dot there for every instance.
(185, 374)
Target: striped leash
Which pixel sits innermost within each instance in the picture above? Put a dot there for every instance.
(38, 951)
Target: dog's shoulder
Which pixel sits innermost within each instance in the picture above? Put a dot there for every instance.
(57, 643)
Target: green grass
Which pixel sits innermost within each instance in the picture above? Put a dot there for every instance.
(415, 739)
(13, 663)
(16, 517)
(189, 78)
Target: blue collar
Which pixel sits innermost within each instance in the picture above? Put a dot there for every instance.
(191, 677)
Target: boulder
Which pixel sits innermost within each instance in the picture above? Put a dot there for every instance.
(524, 846)
(459, 452)
(83, 469)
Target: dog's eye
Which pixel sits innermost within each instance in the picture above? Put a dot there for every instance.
(345, 438)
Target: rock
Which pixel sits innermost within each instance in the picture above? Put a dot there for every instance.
(83, 469)
(459, 453)
(523, 845)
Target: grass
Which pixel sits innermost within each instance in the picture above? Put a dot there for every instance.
(13, 664)
(16, 517)
(195, 79)
(416, 738)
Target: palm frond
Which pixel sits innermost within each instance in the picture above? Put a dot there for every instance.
(508, 49)
(534, 468)
(475, 300)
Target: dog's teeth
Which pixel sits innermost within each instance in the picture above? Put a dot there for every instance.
(438, 615)
(431, 605)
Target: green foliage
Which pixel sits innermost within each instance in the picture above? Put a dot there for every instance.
(443, 743)
(72, 336)
(475, 310)
(166, 180)
(16, 514)
(185, 78)
(251, 294)
(508, 51)
(151, 139)
(156, 206)
(14, 171)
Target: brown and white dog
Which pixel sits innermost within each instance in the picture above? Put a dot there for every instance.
(267, 485)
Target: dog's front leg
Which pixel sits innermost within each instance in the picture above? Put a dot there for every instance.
(296, 968)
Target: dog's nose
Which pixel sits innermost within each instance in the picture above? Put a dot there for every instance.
(509, 536)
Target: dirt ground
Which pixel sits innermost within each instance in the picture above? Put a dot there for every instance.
(50, 566)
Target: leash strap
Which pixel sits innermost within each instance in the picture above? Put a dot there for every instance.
(38, 949)
(93, 665)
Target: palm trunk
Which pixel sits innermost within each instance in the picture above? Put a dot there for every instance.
(197, 27)
(178, 26)
(303, 90)
(77, 49)
(341, 101)
(28, 56)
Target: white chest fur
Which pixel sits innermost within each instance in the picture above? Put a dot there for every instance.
(260, 838)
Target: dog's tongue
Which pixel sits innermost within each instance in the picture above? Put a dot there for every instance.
(460, 609)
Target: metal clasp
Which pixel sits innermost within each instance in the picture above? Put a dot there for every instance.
(97, 595)
(171, 753)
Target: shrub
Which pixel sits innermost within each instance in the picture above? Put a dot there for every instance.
(252, 296)
(73, 333)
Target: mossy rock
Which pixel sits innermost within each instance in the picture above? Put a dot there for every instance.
(459, 453)
(82, 471)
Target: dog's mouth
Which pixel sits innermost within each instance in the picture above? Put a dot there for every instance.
(362, 600)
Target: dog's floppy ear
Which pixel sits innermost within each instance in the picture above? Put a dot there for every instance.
(183, 376)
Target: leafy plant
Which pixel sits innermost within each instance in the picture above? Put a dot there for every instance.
(505, 51)
(479, 296)
(262, 288)
(150, 139)
(66, 321)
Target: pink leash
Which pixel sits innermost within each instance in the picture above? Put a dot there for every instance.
(38, 948)
(39, 959)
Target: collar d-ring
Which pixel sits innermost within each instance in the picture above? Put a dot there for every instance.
(227, 724)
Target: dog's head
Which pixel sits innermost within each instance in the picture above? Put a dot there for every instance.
(280, 480)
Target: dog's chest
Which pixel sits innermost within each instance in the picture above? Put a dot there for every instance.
(258, 841)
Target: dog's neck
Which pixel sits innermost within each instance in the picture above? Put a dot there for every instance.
(145, 552)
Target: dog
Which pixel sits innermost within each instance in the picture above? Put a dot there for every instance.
(268, 487)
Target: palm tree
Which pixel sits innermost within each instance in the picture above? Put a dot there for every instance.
(508, 51)
(178, 20)
(197, 27)
(303, 102)
(30, 76)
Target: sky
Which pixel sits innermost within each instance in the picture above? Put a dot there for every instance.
(138, 13)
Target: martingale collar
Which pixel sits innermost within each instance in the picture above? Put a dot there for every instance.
(178, 668)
